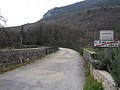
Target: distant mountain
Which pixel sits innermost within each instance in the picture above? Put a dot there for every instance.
(87, 4)
(71, 30)
(72, 26)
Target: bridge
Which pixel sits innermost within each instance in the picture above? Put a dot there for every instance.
(62, 70)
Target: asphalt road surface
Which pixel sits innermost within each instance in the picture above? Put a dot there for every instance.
(62, 70)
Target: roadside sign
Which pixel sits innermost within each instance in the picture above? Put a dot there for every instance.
(101, 43)
(106, 35)
(106, 39)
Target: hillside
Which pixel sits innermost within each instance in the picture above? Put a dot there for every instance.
(71, 30)
(79, 6)
(83, 27)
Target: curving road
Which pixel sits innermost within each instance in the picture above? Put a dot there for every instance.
(62, 70)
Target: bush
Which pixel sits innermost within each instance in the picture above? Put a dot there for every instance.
(104, 55)
(110, 61)
(81, 51)
(92, 84)
(114, 68)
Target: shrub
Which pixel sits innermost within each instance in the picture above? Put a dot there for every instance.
(110, 61)
(81, 51)
(92, 84)
(114, 68)
(104, 55)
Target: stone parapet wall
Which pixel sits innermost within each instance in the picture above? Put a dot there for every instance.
(100, 75)
(105, 78)
(16, 56)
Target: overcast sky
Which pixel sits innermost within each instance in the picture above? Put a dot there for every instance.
(18, 12)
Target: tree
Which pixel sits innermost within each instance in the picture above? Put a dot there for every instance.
(4, 36)
(117, 33)
(2, 21)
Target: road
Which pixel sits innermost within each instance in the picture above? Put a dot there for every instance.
(62, 70)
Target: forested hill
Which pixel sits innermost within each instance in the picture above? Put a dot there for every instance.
(71, 30)
(87, 4)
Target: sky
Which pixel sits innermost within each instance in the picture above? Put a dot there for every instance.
(18, 12)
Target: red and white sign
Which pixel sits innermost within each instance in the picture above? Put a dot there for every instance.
(101, 43)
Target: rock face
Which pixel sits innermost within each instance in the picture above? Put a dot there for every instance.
(87, 4)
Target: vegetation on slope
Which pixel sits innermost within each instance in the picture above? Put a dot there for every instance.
(110, 61)
(79, 6)
(72, 30)
(91, 83)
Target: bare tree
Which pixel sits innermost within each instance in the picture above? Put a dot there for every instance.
(2, 21)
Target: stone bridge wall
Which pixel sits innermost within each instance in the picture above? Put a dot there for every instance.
(16, 56)
(100, 75)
